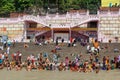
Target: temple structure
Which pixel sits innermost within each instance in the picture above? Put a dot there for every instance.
(104, 26)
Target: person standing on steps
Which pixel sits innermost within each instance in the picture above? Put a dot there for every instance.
(57, 41)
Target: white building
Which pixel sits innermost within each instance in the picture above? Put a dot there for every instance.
(104, 26)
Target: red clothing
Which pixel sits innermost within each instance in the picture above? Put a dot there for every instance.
(71, 39)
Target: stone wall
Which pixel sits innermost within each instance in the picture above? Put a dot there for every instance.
(12, 30)
(109, 27)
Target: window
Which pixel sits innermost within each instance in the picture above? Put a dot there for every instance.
(28, 37)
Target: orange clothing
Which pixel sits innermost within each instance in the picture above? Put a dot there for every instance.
(96, 44)
(0, 56)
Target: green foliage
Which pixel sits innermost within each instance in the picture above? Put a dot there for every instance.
(22, 5)
(6, 7)
(39, 6)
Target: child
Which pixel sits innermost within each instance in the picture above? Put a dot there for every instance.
(29, 68)
(9, 66)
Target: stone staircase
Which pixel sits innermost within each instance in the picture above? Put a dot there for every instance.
(71, 52)
(56, 20)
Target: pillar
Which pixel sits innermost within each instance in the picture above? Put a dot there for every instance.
(119, 11)
(25, 32)
(52, 34)
(87, 12)
(98, 12)
(69, 33)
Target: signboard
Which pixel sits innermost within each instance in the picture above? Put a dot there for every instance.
(110, 3)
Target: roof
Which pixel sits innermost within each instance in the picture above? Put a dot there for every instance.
(80, 11)
(109, 8)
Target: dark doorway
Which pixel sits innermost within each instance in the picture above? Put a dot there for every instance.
(92, 24)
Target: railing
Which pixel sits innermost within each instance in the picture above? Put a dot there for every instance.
(68, 20)
(60, 21)
(39, 33)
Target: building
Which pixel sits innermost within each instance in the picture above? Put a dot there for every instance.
(104, 26)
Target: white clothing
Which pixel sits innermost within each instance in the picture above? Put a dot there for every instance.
(8, 50)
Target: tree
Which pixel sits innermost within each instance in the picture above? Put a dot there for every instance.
(22, 5)
(6, 7)
(43, 6)
(93, 6)
(61, 6)
(37, 7)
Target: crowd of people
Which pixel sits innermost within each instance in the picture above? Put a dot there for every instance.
(43, 62)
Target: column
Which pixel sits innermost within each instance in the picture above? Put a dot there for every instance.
(87, 12)
(109, 13)
(98, 31)
(52, 34)
(25, 35)
(119, 11)
(69, 33)
(25, 32)
(98, 12)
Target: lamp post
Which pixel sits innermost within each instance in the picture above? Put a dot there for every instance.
(48, 10)
(47, 7)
